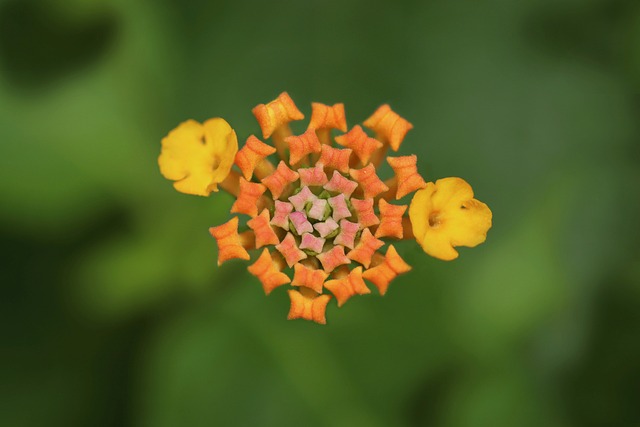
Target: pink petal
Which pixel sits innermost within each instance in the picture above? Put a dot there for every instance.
(339, 206)
(347, 234)
(317, 209)
(299, 200)
(313, 176)
(326, 228)
(340, 184)
(300, 223)
(314, 243)
(281, 214)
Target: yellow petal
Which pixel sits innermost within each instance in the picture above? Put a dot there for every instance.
(445, 215)
(198, 156)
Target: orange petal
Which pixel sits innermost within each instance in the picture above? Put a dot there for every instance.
(249, 197)
(369, 182)
(267, 271)
(262, 228)
(361, 143)
(327, 117)
(290, 251)
(251, 155)
(333, 258)
(280, 179)
(308, 306)
(311, 278)
(365, 248)
(336, 158)
(407, 176)
(390, 219)
(389, 125)
(276, 113)
(300, 146)
(229, 246)
(364, 211)
(382, 274)
(348, 286)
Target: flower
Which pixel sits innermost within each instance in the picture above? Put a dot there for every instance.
(315, 215)
(198, 156)
(445, 215)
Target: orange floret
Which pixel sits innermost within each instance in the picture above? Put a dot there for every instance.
(307, 305)
(229, 245)
(262, 228)
(364, 211)
(290, 251)
(333, 258)
(277, 113)
(369, 182)
(365, 249)
(361, 143)
(302, 145)
(335, 158)
(327, 117)
(278, 181)
(253, 155)
(311, 278)
(407, 177)
(388, 125)
(388, 269)
(390, 220)
(348, 286)
(248, 200)
(268, 272)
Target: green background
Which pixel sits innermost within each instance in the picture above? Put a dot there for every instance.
(114, 313)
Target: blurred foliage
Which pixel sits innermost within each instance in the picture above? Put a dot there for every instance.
(114, 312)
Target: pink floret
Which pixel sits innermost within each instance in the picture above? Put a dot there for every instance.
(281, 214)
(347, 234)
(300, 223)
(339, 206)
(299, 200)
(313, 176)
(317, 209)
(314, 243)
(340, 184)
(326, 228)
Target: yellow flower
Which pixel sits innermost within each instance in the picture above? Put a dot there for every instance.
(198, 156)
(445, 215)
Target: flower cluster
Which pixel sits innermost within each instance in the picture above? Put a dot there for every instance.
(318, 217)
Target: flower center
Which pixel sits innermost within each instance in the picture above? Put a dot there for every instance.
(434, 219)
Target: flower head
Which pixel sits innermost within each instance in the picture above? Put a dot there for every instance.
(315, 214)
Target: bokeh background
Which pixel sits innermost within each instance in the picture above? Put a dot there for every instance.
(114, 313)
